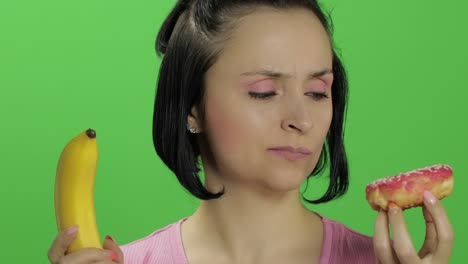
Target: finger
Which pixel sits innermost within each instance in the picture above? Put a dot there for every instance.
(444, 231)
(61, 243)
(381, 240)
(403, 244)
(430, 241)
(111, 244)
(88, 255)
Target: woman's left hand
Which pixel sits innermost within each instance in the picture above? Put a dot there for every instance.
(438, 244)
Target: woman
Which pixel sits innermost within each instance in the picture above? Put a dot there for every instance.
(256, 90)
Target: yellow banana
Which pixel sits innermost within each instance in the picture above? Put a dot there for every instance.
(74, 190)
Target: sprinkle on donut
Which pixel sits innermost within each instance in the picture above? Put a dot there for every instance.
(406, 189)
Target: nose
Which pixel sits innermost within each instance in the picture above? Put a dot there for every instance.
(298, 118)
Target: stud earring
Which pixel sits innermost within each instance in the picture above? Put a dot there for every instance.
(193, 130)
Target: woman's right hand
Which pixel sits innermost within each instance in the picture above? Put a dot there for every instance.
(110, 254)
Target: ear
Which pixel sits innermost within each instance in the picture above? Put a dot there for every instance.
(194, 120)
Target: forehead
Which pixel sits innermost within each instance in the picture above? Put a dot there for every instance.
(287, 40)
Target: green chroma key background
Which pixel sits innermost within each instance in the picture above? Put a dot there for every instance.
(66, 66)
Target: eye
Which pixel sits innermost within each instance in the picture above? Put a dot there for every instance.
(317, 96)
(262, 96)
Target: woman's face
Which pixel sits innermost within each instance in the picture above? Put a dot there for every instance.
(268, 102)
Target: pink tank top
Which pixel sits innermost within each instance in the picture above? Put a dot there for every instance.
(164, 246)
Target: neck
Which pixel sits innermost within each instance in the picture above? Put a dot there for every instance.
(247, 222)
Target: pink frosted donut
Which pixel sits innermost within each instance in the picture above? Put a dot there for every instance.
(406, 189)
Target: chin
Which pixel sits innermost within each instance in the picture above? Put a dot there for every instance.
(285, 181)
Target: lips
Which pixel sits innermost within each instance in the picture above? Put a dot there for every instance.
(290, 152)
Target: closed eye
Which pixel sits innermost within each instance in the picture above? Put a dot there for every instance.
(262, 96)
(317, 96)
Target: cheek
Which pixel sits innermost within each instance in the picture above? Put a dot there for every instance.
(223, 126)
(232, 127)
(325, 118)
(222, 130)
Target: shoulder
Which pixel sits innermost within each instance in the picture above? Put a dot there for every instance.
(161, 246)
(345, 244)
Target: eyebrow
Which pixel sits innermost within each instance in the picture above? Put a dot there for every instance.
(281, 75)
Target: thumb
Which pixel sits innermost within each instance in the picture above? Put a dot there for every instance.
(61, 243)
(111, 244)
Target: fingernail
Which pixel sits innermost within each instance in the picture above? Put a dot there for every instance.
(113, 255)
(111, 238)
(72, 230)
(429, 197)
